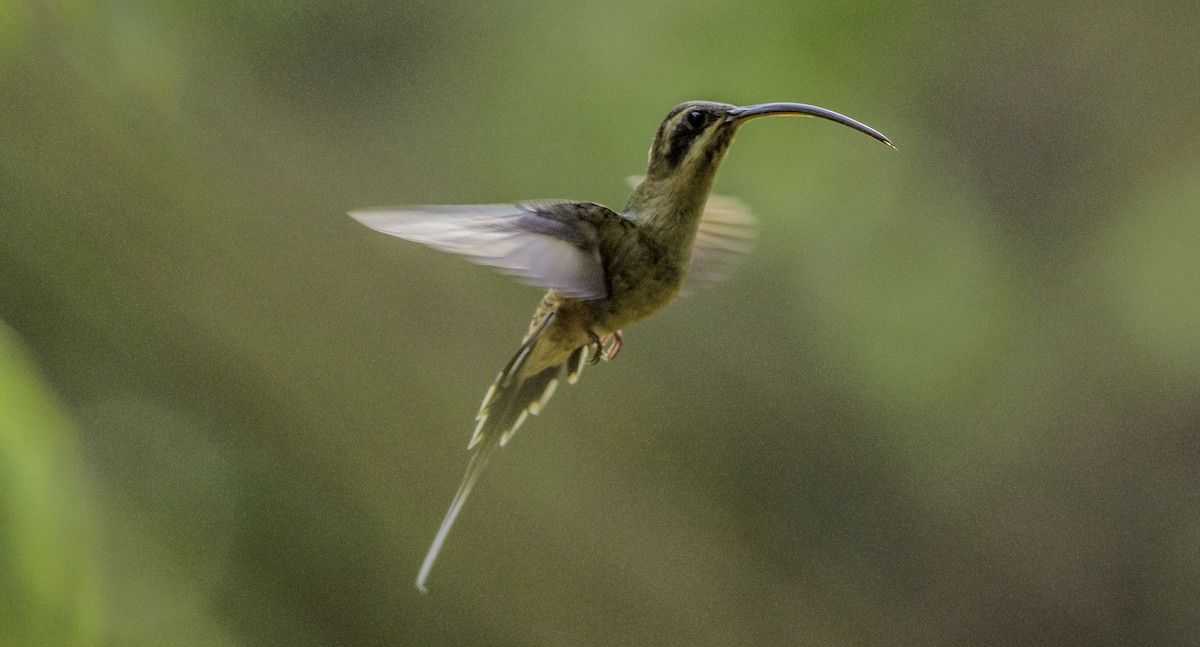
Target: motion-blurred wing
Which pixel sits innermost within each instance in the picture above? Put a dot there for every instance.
(727, 232)
(549, 245)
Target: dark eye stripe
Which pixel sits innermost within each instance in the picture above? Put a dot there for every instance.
(687, 130)
(681, 140)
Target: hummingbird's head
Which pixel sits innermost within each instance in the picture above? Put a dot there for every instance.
(693, 139)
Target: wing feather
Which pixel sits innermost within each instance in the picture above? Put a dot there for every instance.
(727, 232)
(550, 245)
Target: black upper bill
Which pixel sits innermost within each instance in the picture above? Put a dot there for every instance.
(738, 115)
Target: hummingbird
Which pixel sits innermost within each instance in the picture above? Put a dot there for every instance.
(605, 270)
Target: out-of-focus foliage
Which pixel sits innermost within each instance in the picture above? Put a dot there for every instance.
(952, 398)
(48, 588)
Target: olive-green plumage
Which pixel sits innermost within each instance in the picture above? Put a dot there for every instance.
(604, 270)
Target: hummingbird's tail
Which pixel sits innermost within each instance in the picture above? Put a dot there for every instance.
(507, 403)
(515, 395)
(474, 468)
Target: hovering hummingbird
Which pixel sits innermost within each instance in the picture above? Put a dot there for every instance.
(604, 269)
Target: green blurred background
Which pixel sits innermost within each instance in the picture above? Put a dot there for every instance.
(952, 398)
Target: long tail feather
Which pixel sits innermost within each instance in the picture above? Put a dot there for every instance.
(507, 403)
(474, 468)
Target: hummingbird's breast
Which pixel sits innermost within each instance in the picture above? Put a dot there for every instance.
(644, 274)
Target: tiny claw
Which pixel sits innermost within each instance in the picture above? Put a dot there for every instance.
(611, 351)
(596, 353)
(605, 348)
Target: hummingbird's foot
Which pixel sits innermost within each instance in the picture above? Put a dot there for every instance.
(596, 348)
(610, 352)
(603, 349)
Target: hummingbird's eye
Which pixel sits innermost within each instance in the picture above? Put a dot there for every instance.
(695, 120)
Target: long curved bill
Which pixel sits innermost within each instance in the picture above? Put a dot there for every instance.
(738, 115)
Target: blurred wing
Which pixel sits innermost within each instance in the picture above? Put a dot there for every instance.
(548, 245)
(727, 232)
